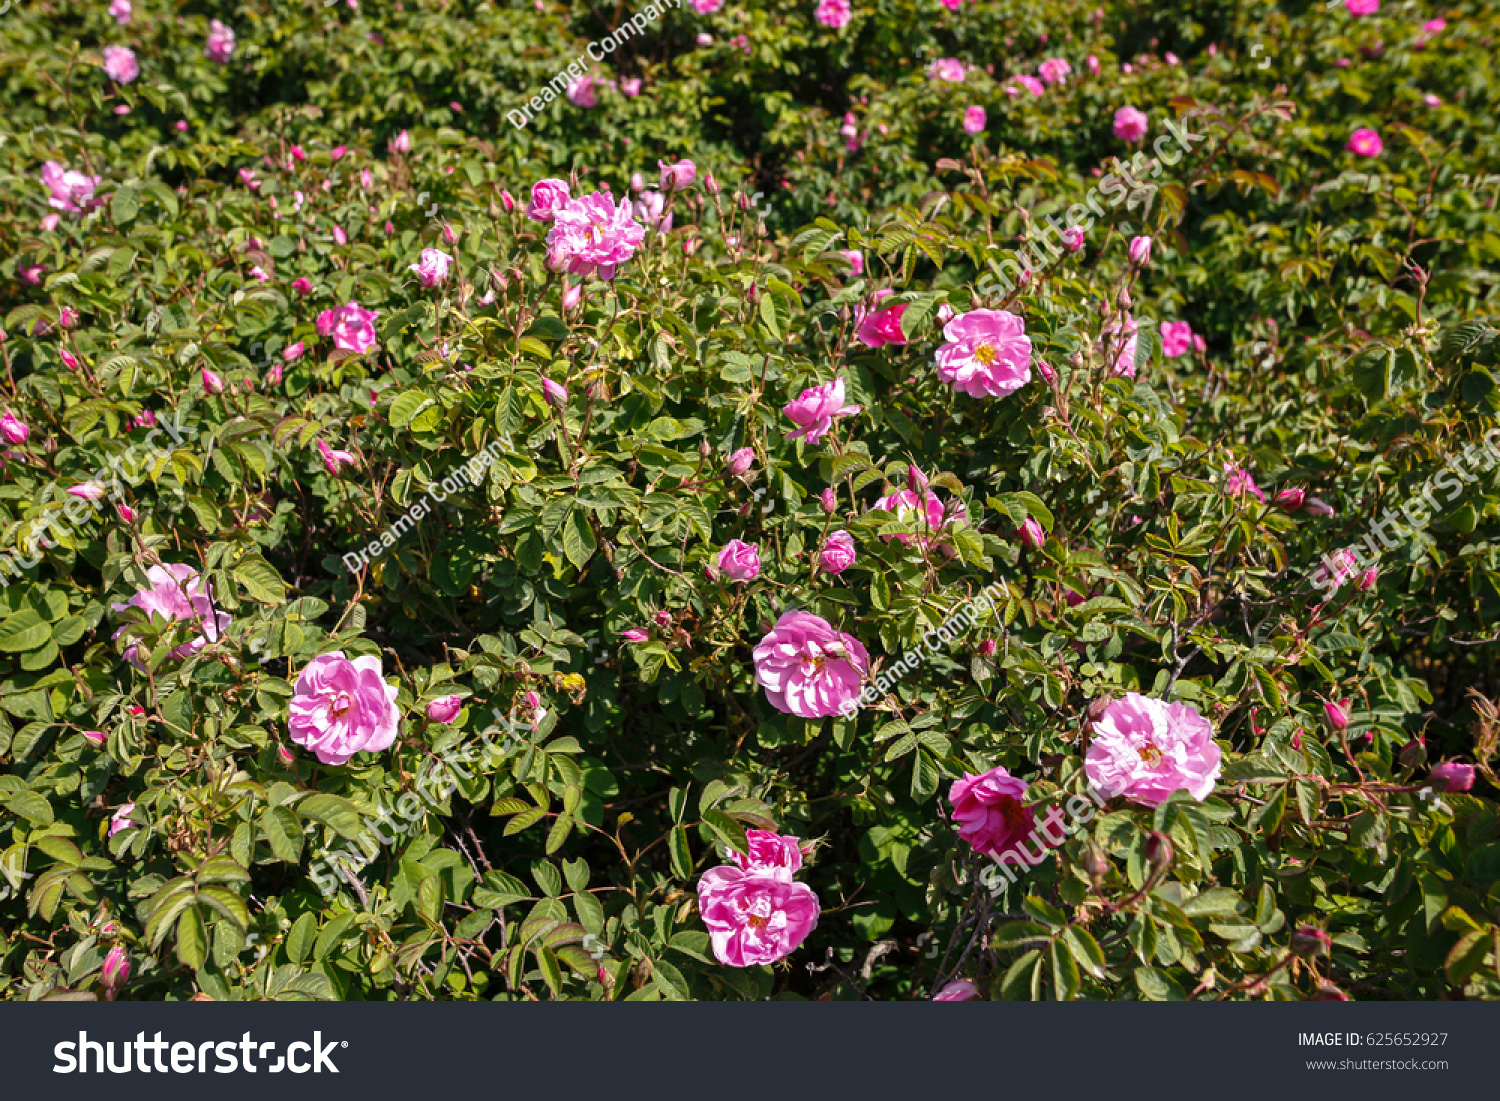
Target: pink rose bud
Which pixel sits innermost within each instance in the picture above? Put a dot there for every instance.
(830, 501)
(711, 184)
(742, 460)
(273, 376)
(444, 710)
(987, 648)
(1453, 776)
(557, 394)
(126, 513)
(572, 294)
(1092, 64)
(1366, 580)
(389, 229)
(285, 754)
(1290, 499)
(89, 491)
(401, 143)
(1140, 251)
(1072, 239)
(335, 460)
(13, 429)
(960, 990)
(340, 236)
(637, 182)
(664, 619)
(1032, 535)
(1318, 507)
(212, 382)
(293, 352)
(98, 737)
(740, 560)
(1337, 714)
(635, 634)
(116, 972)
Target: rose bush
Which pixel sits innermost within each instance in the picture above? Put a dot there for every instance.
(436, 565)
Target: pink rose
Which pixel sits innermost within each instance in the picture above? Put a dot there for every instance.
(1140, 251)
(919, 514)
(839, 552)
(581, 92)
(547, 198)
(1146, 749)
(809, 668)
(1337, 568)
(592, 236)
(741, 461)
(342, 707)
(220, 44)
(631, 86)
(1365, 142)
(120, 820)
(433, 267)
(1431, 100)
(121, 11)
(833, 13)
(1238, 480)
(815, 408)
(352, 327)
(1031, 84)
(987, 354)
(1072, 239)
(71, 191)
(974, 120)
(950, 69)
(770, 854)
(1092, 64)
(707, 7)
(445, 710)
(856, 260)
(120, 64)
(1130, 124)
(1176, 338)
(676, 177)
(302, 286)
(989, 812)
(741, 561)
(877, 328)
(335, 460)
(1362, 7)
(754, 918)
(177, 593)
(960, 990)
(1054, 70)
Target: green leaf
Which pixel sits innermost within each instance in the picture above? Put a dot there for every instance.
(299, 939)
(283, 831)
(31, 806)
(730, 831)
(681, 853)
(192, 938)
(335, 812)
(24, 631)
(260, 580)
(578, 538)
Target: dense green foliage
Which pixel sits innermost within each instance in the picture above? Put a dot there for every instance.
(1349, 350)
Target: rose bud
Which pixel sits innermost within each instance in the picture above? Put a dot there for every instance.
(1290, 499)
(444, 710)
(741, 461)
(1454, 776)
(986, 648)
(1413, 754)
(1309, 940)
(1158, 852)
(1031, 534)
(1337, 714)
(1366, 580)
(1094, 862)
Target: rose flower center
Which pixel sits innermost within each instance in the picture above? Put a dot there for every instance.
(985, 353)
(1150, 754)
